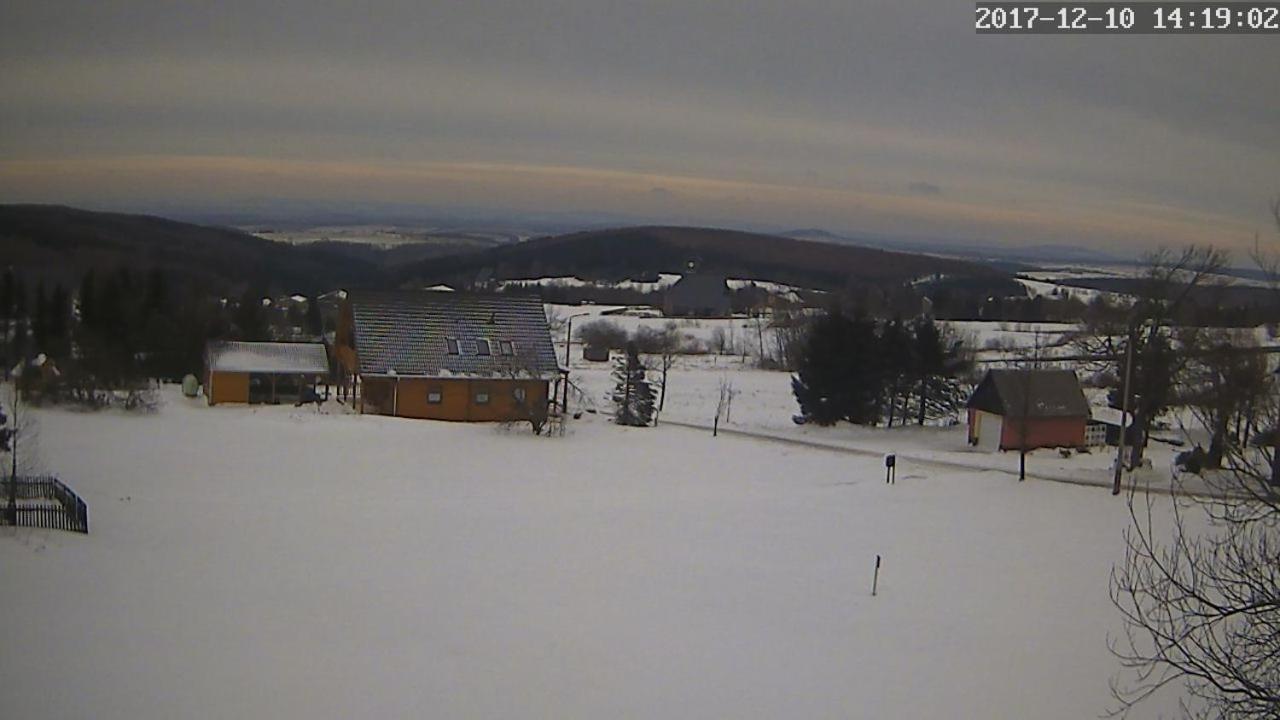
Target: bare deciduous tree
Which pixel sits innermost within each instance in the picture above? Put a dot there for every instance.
(1201, 599)
(1165, 296)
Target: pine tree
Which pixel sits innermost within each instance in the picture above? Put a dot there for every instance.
(157, 299)
(57, 326)
(7, 438)
(896, 354)
(929, 358)
(88, 318)
(21, 321)
(315, 325)
(40, 318)
(249, 318)
(841, 372)
(7, 313)
(632, 393)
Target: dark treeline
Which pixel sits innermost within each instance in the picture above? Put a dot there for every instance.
(855, 368)
(118, 332)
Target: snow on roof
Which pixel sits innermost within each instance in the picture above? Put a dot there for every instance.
(1108, 415)
(268, 357)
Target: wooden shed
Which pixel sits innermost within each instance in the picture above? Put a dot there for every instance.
(263, 372)
(1011, 409)
(446, 356)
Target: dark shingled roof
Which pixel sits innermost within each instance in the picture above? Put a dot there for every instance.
(404, 333)
(698, 293)
(1042, 393)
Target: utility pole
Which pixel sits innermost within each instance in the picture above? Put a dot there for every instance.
(1124, 412)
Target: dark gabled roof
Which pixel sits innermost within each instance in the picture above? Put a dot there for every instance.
(405, 332)
(1040, 393)
(267, 358)
(699, 291)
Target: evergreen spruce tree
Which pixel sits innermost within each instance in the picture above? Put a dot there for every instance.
(7, 315)
(21, 322)
(314, 323)
(249, 318)
(632, 394)
(930, 361)
(88, 318)
(40, 317)
(841, 372)
(897, 357)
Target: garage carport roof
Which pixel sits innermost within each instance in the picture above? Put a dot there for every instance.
(268, 358)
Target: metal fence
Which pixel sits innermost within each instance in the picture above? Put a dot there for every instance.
(43, 502)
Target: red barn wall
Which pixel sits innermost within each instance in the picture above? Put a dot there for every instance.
(1043, 432)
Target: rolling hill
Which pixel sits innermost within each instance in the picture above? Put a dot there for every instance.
(59, 244)
(641, 252)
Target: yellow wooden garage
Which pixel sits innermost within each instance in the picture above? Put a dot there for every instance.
(263, 372)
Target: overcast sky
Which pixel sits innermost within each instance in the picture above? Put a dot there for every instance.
(875, 117)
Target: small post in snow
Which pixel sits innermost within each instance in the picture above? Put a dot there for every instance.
(875, 578)
(891, 469)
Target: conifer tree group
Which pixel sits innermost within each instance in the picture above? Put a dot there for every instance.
(864, 372)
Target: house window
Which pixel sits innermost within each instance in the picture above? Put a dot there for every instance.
(482, 347)
(482, 397)
(506, 347)
(435, 396)
(519, 394)
(451, 344)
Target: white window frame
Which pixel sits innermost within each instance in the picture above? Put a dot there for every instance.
(488, 349)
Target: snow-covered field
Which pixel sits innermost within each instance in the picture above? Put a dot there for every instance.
(277, 562)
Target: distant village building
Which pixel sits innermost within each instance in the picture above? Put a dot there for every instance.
(1104, 429)
(263, 372)
(698, 295)
(446, 356)
(1048, 405)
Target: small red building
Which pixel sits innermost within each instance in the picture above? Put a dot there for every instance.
(1035, 408)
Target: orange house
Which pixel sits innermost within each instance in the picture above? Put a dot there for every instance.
(446, 356)
(1011, 409)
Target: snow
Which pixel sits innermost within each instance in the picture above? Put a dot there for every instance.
(664, 281)
(281, 562)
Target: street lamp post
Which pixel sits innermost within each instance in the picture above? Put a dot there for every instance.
(568, 342)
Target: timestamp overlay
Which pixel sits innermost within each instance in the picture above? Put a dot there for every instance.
(1134, 18)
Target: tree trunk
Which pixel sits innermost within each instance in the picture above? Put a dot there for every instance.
(924, 398)
(662, 396)
(1139, 442)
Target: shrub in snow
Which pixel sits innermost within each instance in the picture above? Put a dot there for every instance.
(603, 333)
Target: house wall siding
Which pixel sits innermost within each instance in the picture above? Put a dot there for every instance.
(224, 387)
(408, 397)
(1043, 432)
